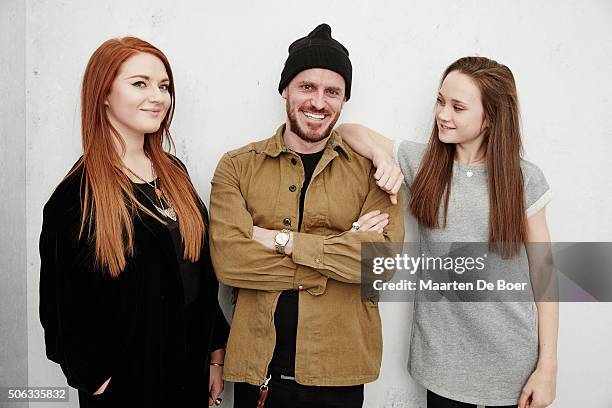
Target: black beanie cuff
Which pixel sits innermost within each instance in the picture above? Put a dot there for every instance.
(317, 57)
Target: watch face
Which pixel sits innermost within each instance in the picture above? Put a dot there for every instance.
(281, 238)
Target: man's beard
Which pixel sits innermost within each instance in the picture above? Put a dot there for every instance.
(295, 127)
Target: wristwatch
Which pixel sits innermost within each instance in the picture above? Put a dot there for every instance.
(281, 239)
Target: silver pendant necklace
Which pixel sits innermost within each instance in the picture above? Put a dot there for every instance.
(167, 212)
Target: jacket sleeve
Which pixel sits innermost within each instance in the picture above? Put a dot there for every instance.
(240, 261)
(339, 256)
(220, 328)
(76, 335)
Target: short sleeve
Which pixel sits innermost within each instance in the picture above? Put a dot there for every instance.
(537, 190)
(407, 155)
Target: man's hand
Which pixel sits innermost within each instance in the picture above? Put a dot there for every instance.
(265, 237)
(372, 221)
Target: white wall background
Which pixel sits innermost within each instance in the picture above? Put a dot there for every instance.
(227, 58)
(13, 286)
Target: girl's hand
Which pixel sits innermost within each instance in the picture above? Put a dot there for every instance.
(215, 381)
(389, 176)
(539, 392)
(215, 384)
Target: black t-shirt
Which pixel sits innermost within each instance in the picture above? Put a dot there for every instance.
(286, 313)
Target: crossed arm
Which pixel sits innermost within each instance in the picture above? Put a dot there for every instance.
(243, 254)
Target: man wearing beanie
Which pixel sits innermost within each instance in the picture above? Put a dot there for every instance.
(282, 214)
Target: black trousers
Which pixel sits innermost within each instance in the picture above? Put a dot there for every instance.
(283, 393)
(438, 401)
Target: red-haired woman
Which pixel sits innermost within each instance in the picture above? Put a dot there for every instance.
(128, 297)
(469, 184)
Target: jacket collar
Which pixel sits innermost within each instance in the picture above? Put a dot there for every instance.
(276, 144)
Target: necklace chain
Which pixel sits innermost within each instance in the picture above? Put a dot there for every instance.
(168, 211)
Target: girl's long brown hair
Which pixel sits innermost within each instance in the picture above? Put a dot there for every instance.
(502, 143)
(108, 202)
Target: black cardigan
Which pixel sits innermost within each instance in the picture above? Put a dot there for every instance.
(129, 328)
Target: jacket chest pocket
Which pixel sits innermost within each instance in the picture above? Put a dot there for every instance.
(330, 207)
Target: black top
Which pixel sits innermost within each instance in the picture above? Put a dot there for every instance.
(286, 313)
(136, 328)
(190, 274)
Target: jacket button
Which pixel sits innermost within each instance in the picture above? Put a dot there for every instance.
(287, 222)
(292, 188)
(293, 161)
(317, 260)
(301, 287)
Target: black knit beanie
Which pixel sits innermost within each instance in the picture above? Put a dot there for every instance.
(317, 50)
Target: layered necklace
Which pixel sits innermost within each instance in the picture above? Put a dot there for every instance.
(167, 212)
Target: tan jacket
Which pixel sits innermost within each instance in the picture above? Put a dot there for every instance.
(339, 336)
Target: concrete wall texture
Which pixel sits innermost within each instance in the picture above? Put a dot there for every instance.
(13, 289)
(227, 58)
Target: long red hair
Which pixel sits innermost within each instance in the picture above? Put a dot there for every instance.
(503, 147)
(109, 203)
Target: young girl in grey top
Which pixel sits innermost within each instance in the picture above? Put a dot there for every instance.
(469, 184)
